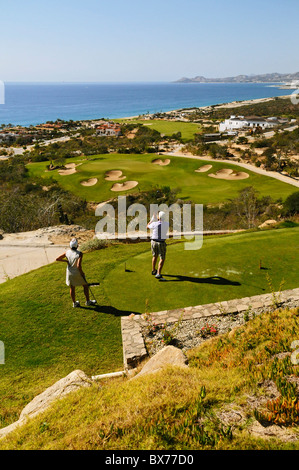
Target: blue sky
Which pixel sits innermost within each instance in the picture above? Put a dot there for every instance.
(153, 40)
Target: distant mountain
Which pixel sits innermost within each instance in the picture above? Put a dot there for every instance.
(265, 78)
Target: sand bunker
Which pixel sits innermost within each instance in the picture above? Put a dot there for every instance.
(224, 171)
(90, 182)
(239, 175)
(203, 168)
(158, 161)
(227, 174)
(114, 175)
(124, 186)
(70, 169)
(70, 165)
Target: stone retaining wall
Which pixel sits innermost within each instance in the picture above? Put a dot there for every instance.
(134, 349)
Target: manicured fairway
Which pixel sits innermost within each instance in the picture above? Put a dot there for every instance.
(168, 128)
(226, 267)
(180, 173)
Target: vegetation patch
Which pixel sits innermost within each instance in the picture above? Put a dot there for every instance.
(212, 404)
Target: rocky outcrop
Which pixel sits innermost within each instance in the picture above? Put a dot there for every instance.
(262, 78)
(267, 223)
(41, 402)
(168, 356)
(70, 383)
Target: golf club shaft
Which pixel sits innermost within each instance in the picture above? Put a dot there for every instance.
(92, 293)
(89, 288)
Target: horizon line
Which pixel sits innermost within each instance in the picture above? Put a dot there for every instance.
(153, 82)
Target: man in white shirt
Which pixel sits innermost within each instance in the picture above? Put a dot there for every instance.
(158, 244)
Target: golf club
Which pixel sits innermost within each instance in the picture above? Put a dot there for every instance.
(92, 294)
(90, 289)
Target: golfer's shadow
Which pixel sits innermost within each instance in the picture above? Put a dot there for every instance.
(109, 310)
(217, 280)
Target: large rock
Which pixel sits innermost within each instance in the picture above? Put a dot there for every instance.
(169, 355)
(71, 382)
(10, 428)
(267, 223)
(41, 402)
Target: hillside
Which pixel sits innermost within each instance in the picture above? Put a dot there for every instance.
(263, 78)
(240, 391)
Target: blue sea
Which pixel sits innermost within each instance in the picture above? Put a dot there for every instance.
(35, 103)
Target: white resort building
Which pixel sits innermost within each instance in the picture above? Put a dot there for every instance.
(240, 122)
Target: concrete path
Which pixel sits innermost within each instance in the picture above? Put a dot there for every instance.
(24, 251)
(21, 150)
(17, 260)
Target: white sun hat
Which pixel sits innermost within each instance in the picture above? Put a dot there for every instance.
(74, 243)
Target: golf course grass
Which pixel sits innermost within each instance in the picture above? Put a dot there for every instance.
(226, 267)
(168, 128)
(45, 338)
(180, 173)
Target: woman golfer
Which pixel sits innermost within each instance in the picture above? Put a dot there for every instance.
(74, 274)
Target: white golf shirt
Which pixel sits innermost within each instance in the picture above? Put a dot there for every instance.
(159, 230)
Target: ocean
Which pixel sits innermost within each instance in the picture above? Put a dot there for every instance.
(35, 103)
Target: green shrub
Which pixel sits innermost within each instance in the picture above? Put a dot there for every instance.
(94, 244)
(291, 204)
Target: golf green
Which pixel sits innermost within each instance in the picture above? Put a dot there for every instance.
(180, 173)
(224, 268)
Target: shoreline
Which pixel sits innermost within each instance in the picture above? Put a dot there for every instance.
(230, 104)
(233, 104)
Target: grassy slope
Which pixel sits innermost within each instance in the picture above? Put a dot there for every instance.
(198, 187)
(45, 338)
(120, 416)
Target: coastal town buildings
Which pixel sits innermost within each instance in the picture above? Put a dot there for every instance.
(8, 137)
(108, 129)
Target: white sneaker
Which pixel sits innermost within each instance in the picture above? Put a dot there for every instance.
(90, 302)
(76, 304)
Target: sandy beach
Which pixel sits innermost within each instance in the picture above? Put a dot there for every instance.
(232, 104)
(236, 104)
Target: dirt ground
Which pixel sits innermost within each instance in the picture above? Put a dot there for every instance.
(23, 252)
